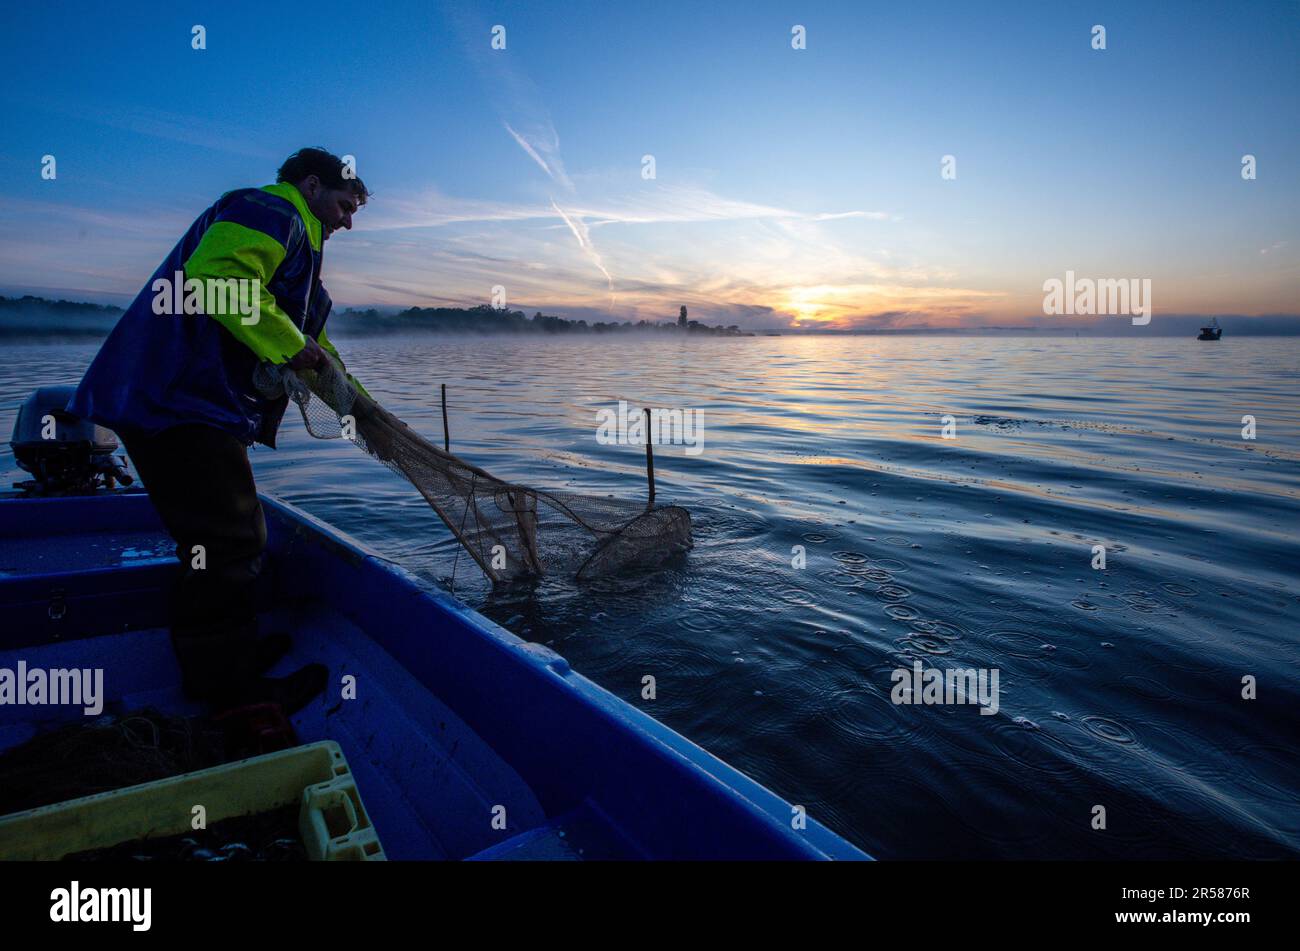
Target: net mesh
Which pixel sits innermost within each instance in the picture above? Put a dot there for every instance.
(512, 531)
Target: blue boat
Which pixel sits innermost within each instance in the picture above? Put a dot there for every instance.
(453, 717)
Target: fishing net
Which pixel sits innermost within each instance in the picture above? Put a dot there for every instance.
(111, 752)
(512, 531)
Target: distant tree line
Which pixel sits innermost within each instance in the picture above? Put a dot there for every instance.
(58, 307)
(487, 320)
(36, 315)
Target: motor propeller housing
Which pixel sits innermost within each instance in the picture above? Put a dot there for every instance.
(66, 455)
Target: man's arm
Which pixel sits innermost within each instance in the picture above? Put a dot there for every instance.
(248, 242)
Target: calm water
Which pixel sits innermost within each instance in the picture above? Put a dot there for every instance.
(1120, 688)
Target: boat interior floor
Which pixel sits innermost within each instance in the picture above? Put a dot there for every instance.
(428, 782)
(433, 788)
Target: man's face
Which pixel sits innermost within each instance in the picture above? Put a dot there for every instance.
(333, 206)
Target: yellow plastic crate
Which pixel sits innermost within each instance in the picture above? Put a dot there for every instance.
(332, 821)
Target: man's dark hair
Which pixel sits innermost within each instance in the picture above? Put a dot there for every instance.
(326, 166)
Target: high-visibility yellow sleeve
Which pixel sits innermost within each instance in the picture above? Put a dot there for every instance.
(229, 250)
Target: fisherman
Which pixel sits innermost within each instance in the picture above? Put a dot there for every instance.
(177, 388)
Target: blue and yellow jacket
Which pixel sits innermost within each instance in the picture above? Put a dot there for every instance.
(156, 371)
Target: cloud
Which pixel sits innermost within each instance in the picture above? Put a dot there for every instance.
(730, 260)
(153, 224)
(660, 205)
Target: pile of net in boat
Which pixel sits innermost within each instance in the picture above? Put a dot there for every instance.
(111, 752)
(512, 531)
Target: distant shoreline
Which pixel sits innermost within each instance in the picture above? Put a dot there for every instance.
(31, 317)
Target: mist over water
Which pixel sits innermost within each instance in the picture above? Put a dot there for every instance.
(1120, 688)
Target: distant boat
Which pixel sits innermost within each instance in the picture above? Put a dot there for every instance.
(1212, 332)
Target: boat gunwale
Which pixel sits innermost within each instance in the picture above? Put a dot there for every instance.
(548, 671)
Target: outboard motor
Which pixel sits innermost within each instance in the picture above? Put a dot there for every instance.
(66, 454)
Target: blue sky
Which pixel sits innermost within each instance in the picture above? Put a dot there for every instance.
(791, 185)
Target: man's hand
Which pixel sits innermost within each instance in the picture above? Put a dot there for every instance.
(309, 357)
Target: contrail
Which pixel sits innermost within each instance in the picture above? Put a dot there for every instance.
(518, 104)
(549, 144)
(555, 171)
(579, 229)
(527, 147)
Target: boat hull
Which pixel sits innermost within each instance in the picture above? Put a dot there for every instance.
(466, 741)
